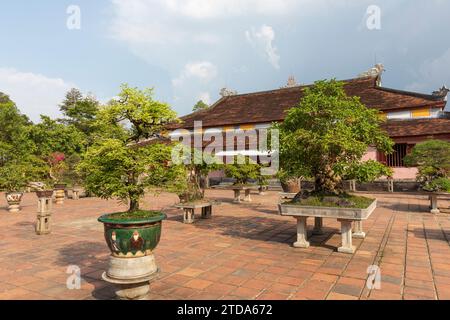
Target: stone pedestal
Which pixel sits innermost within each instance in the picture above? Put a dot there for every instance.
(434, 204)
(358, 230)
(390, 185)
(131, 276)
(207, 212)
(318, 224)
(44, 218)
(75, 194)
(302, 234)
(346, 233)
(352, 185)
(262, 190)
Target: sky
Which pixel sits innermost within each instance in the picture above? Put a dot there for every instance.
(188, 50)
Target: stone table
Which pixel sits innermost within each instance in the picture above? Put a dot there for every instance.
(189, 210)
(346, 216)
(237, 191)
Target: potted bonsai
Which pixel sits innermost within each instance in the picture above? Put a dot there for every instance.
(290, 183)
(243, 170)
(367, 171)
(14, 179)
(322, 137)
(58, 168)
(191, 191)
(432, 158)
(119, 166)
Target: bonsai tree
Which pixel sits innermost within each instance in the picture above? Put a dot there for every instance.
(432, 158)
(57, 167)
(197, 167)
(242, 170)
(326, 133)
(117, 166)
(14, 177)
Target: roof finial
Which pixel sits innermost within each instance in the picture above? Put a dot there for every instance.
(291, 82)
(442, 92)
(375, 71)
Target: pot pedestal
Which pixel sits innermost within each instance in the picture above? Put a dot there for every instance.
(131, 276)
(44, 218)
(13, 208)
(59, 196)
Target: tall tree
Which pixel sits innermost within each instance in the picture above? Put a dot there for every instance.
(80, 111)
(200, 105)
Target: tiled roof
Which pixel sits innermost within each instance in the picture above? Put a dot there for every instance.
(417, 127)
(269, 106)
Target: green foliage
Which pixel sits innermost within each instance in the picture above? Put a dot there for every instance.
(432, 158)
(242, 170)
(135, 115)
(14, 177)
(80, 111)
(367, 171)
(200, 105)
(327, 131)
(51, 136)
(116, 167)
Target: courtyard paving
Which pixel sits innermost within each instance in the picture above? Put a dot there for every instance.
(244, 252)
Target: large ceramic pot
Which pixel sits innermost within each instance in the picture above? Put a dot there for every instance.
(132, 263)
(291, 186)
(60, 193)
(14, 199)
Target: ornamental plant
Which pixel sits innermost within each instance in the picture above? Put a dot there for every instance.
(119, 165)
(57, 167)
(367, 171)
(328, 132)
(432, 158)
(243, 169)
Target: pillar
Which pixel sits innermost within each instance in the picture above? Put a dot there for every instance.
(247, 196)
(237, 195)
(318, 224)
(189, 215)
(434, 204)
(302, 233)
(346, 233)
(358, 232)
(206, 212)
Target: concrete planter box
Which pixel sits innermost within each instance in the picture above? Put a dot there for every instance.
(346, 216)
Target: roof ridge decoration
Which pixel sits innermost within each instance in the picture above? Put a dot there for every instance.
(375, 71)
(441, 93)
(225, 92)
(291, 83)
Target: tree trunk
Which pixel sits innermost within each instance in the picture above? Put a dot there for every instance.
(327, 182)
(134, 205)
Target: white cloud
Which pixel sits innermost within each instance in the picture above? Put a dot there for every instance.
(201, 9)
(34, 94)
(204, 71)
(433, 73)
(205, 97)
(263, 39)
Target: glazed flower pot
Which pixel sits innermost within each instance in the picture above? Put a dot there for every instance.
(132, 263)
(60, 193)
(14, 199)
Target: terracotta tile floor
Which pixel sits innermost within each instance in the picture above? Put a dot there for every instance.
(243, 252)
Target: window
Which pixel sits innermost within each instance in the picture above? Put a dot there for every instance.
(395, 159)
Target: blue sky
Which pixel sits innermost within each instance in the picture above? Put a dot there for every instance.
(190, 49)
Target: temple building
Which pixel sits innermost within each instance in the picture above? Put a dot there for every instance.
(410, 117)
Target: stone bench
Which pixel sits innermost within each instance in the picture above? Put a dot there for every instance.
(189, 211)
(433, 197)
(346, 216)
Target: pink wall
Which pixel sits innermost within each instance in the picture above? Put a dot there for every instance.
(399, 173)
